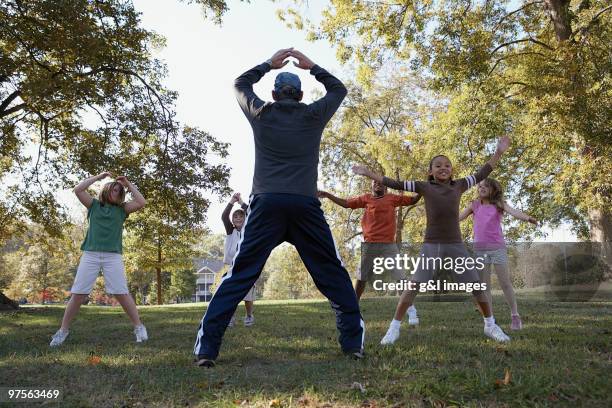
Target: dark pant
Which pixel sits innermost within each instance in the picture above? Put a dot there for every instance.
(273, 218)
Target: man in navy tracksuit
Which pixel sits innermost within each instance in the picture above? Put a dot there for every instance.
(284, 204)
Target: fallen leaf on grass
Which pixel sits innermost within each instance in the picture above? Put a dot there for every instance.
(358, 386)
(94, 360)
(275, 403)
(507, 377)
(506, 381)
(502, 349)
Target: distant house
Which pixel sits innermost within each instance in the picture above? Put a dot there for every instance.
(205, 278)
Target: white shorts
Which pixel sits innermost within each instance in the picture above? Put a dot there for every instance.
(494, 256)
(250, 296)
(111, 264)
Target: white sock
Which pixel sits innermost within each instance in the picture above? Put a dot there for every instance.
(412, 309)
(395, 324)
(489, 321)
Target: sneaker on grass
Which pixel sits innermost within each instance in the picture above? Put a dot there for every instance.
(496, 333)
(355, 354)
(59, 337)
(413, 318)
(204, 362)
(141, 333)
(517, 323)
(391, 337)
(249, 320)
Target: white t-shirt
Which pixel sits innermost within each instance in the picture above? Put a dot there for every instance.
(231, 246)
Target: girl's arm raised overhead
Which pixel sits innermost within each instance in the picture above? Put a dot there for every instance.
(503, 144)
(137, 201)
(465, 213)
(519, 214)
(81, 189)
(225, 216)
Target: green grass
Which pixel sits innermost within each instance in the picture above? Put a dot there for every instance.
(290, 358)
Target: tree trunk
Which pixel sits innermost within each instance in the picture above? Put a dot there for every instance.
(600, 225)
(6, 303)
(601, 232)
(559, 13)
(159, 274)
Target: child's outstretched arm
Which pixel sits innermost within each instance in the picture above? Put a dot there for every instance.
(412, 186)
(470, 181)
(137, 202)
(519, 214)
(465, 213)
(81, 189)
(340, 201)
(364, 171)
(225, 216)
(242, 204)
(503, 144)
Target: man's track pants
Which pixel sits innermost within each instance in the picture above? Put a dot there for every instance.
(273, 218)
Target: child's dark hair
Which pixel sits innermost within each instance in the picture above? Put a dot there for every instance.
(496, 195)
(430, 176)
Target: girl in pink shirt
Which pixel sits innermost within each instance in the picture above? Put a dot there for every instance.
(489, 242)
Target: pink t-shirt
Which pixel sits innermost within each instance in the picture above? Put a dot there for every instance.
(488, 233)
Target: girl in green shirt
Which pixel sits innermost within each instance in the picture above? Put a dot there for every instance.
(102, 250)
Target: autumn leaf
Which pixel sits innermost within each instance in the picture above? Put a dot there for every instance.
(275, 403)
(94, 360)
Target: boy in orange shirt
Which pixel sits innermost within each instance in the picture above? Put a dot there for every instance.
(378, 225)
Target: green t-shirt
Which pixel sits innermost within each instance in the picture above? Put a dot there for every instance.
(105, 228)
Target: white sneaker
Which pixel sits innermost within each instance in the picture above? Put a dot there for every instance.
(391, 337)
(249, 320)
(141, 333)
(59, 337)
(413, 318)
(496, 333)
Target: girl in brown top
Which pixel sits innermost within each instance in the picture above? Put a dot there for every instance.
(443, 240)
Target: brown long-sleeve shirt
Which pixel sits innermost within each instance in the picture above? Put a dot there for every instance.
(441, 203)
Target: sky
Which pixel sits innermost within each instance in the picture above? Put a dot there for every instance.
(203, 59)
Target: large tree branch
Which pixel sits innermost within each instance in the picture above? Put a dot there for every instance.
(9, 111)
(500, 59)
(529, 39)
(5, 103)
(560, 15)
(523, 7)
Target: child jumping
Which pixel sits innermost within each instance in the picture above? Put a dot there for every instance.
(489, 242)
(443, 240)
(232, 239)
(378, 225)
(102, 250)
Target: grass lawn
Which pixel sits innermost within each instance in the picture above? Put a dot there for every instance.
(291, 358)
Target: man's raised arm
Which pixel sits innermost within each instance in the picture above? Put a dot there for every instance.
(243, 85)
(336, 91)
